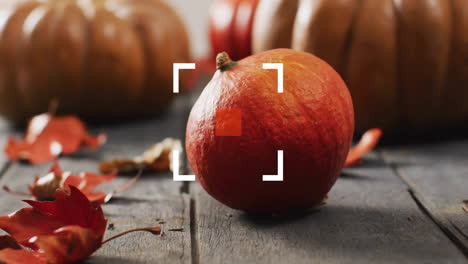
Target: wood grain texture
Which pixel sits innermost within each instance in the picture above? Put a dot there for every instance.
(154, 200)
(370, 218)
(438, 177)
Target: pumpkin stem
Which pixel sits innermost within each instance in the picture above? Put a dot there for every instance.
(224, 62)
(53, 106)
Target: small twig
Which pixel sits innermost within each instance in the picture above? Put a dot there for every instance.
(124, 187)
(152, 230)
(8, 189)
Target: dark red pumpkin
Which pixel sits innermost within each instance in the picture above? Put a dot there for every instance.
(239, 122)
(230, 26)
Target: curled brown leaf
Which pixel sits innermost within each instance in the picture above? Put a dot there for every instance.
(155, 158)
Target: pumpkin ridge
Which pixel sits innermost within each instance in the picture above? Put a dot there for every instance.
(399, 93)
(31, 21)
(85, 71)
(446, 64)
(345, 53)
(12, 105)
(56, 13)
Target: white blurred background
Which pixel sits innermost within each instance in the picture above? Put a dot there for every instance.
(195, 15)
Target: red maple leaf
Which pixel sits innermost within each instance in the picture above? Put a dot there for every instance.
(66, 230)
(48, 136)
(44, 188)
(368, 142)
(13, 252)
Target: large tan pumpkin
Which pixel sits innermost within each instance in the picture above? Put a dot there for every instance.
(101, 59)
(405, 61)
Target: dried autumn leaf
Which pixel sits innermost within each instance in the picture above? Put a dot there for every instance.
(21, 256)
(44, 188)
(158, 158)
(13, 252)
(48, 136)
(465, 205)
(8, 242)
(368, 141)
(325, 200)
(69, 244)
(66, 230)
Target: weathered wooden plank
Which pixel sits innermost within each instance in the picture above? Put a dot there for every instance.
(438, 176)
(171, 247)
(370, 218)
(154, 200)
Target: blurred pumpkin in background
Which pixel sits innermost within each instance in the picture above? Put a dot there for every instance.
(101, 59)
(404, 61)
(230, 27)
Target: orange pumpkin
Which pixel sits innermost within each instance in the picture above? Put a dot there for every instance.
(239, 123)
(405, 61)
(101, 59)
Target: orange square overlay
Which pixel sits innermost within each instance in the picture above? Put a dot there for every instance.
(228, 122)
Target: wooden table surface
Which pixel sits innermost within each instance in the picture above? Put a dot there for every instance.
(404, 205)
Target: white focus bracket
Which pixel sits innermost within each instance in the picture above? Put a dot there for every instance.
(279, 67)
(175, 73)
(176, 153)
(176, 167)
(175, 159)
(279, 176)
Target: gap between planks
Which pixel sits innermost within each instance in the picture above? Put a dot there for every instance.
(194, 232)
(442, 223)
(429, 209)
